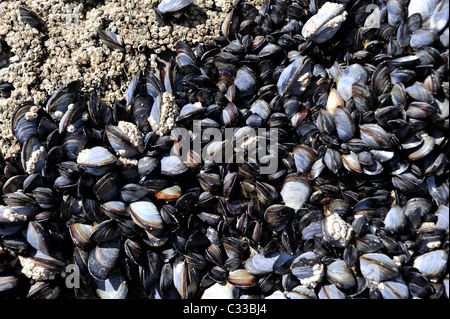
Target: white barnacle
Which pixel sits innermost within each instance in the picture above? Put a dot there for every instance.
(13, 217)
(132, 132)
(318, 270)
(32, 113)
(34, 158)
(58, 114)
(337, 231)
(126, 161)
(35, 271)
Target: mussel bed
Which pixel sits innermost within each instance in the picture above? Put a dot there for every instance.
(99, 204)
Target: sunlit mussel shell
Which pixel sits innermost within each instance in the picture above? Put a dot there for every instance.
(59, 102)
(440, 16)
(377, 267)
(172, 165)
(241, 278)
(132, 192)
(325, 23)
(423, 149)
(432, 264)
(230, 184)
(332, 160)
(125, 139)
(221, 291)
(113, 287)
(325, 122)
(423, 37)
(173, 6)
(395, 219)
(407, 182)
(80, 234)
(398, 95)
(419, 286)
(73, 119)
(316, 169)
(355, 73)
(269, 50)
(190, 111)
(266, 193)
(277, 216)
(419, 92)
(420, 110)
(24, 121)
(45, 197)
(295, 191)
(107, 188)
(308, 269)
(351, 162)
(210, 182)
(44, 290)
(246, 82)
(96, 160)
(394, 289)
(185, 279)
(304, 157)
(374, 136)
(384, 115)
(331, 292)
(295, 78)
(340, 275)
(234, 247)
(261, 109)
(146, 165)
(363, 97)
(146, 215)
(229, 115)
(38, 237)
(283, 263)
(260, 265)
(103, 259)
(381, 80)
(442, 214)
(301, 292)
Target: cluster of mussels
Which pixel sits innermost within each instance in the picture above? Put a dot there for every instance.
(99, 204)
